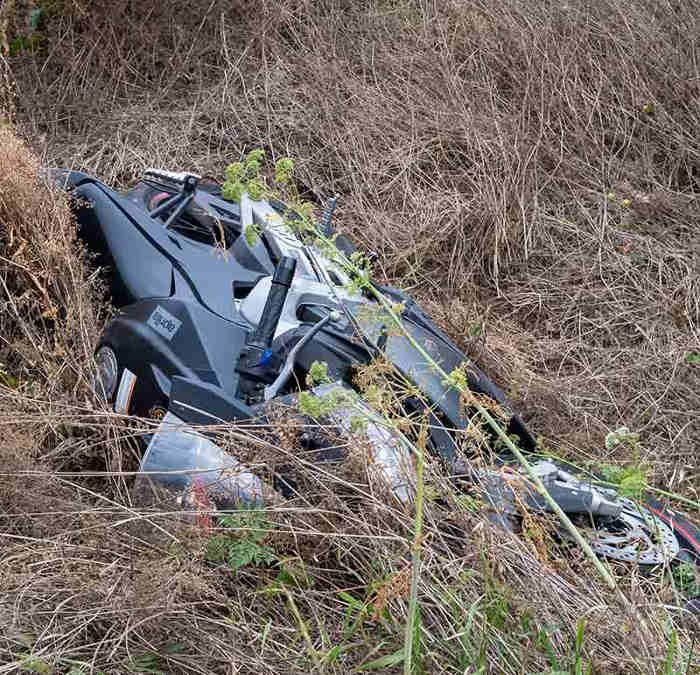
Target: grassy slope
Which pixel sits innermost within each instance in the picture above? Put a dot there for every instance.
(473, 145)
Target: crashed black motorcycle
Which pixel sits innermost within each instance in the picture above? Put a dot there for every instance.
(215, 326)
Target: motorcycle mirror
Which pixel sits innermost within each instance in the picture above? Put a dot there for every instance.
(185, 468)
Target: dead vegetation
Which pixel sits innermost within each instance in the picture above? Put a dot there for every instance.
(530, 170)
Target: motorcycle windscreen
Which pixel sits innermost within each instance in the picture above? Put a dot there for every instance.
(184, 468)
(409, 361)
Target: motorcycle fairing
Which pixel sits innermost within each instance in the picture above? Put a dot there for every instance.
(200, 349)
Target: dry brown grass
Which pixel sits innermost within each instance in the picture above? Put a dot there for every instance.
(473, 144)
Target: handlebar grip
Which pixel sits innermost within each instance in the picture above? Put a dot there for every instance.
(281, 281)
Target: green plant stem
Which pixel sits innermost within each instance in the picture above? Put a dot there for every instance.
(302, 625)
(486, 415)
(498, 429)
(415, 558)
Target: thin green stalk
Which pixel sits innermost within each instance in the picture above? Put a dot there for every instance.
(486, 415)
(302, 626)
(415, 556)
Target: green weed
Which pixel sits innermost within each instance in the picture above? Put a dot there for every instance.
(241, 544)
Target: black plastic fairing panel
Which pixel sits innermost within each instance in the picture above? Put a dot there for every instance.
(341, 351)
(198, 402)
(144, 271)
(150, 359)
(160, 339)
(411, 363)
(213, 272)
(424, 330)
(144, 254)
